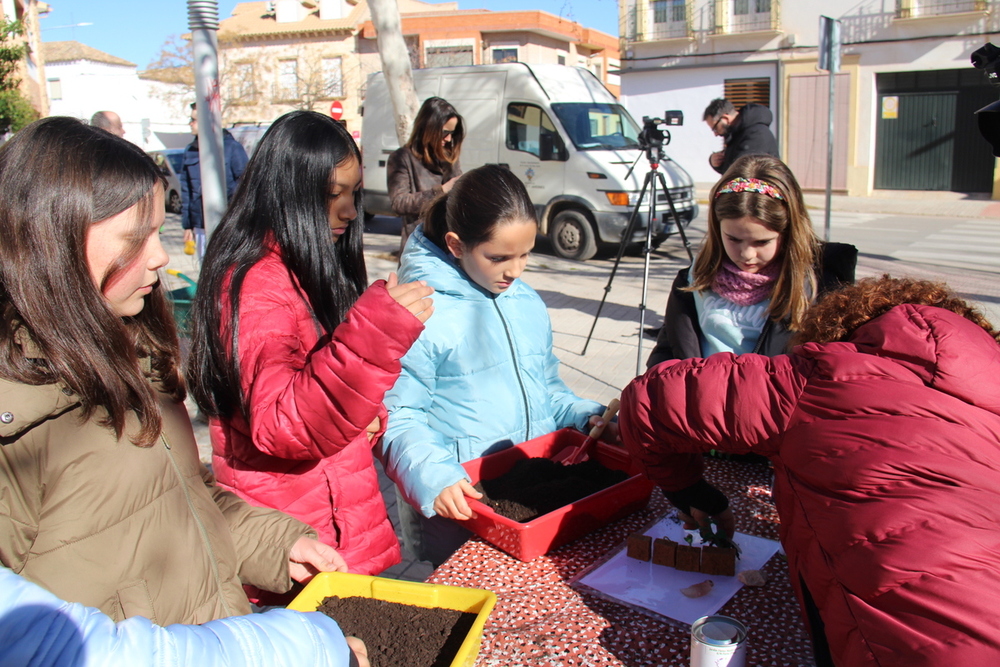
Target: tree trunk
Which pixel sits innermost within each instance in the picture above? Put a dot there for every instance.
(395, 65)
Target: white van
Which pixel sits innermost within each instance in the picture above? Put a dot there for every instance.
(559, 129)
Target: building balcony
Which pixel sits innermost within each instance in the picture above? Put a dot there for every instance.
(734, 17)
(911, 9)
(681, 20)
(657, 21)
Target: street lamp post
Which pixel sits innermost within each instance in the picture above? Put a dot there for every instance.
(203, 20)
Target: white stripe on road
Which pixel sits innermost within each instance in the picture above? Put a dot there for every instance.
(990, 260)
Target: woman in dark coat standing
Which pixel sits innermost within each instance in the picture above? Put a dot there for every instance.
(427, 165)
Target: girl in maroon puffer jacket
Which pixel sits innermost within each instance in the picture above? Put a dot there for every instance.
(291, 354)
(884, 430)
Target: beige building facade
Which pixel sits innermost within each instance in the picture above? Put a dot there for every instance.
(318, 54)
(905, 96)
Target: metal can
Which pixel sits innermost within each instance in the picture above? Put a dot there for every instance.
(718, 641)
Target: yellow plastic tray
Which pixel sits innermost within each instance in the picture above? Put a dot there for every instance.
(429, 596)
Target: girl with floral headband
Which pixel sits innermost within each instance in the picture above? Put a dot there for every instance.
(759, 268)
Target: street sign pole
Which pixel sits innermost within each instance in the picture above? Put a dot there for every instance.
(829, 60)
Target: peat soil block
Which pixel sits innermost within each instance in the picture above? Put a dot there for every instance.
(401, 635)
(533, 487)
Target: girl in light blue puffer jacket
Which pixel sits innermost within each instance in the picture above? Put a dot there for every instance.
(38, 629)
(482, 376)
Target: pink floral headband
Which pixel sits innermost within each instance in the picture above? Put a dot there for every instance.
(750, 185)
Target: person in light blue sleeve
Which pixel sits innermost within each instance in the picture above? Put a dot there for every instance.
(482, 376)
(38, 629)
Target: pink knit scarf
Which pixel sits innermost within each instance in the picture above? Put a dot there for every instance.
(742, 288)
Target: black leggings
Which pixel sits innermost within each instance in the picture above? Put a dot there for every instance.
(821, 647)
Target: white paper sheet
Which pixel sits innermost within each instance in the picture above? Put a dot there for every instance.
(658, 588)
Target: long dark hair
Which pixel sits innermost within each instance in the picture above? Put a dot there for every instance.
(480, 201)
(282, 199)
(428, 131)
(797, 283)
(57, 178)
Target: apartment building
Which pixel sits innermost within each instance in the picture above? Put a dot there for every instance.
(318, 54)
(905, 95)
(82, 80)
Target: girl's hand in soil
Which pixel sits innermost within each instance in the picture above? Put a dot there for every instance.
(699, 519)
(451, 502)
(359, 652)
(412, 296)
(309, 557)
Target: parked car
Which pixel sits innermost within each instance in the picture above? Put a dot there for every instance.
(169, 161)
(559, 129)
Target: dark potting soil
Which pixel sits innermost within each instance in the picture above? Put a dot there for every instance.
(533, 487)
(401, 635)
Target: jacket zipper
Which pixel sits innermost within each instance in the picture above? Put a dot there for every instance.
(201, 528)
(517, 372)
(764, 333)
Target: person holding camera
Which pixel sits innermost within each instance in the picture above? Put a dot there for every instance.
(745, 132)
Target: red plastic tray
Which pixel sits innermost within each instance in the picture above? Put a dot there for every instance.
(527, 541)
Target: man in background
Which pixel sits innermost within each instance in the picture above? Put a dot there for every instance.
(235, 157)
(109, 121)
(745, 132)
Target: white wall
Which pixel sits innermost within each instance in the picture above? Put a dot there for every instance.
(690, 90)
(89, 86)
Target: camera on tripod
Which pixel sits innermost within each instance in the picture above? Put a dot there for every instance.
(988, 58)
(652, 138)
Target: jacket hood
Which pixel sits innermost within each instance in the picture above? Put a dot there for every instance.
(755, 114)
(944, 350)
(23, 407)
(423, 260)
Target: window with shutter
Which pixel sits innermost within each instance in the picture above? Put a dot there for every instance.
(744, 91)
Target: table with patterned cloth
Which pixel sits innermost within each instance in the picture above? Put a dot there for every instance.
(539, 621)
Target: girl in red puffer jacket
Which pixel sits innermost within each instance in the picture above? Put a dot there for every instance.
(291, 354)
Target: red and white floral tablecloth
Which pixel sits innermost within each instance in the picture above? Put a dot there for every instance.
(539, 621)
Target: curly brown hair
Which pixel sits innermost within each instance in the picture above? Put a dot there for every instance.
(839, 313)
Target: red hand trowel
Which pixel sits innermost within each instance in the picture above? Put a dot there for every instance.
(579, 453)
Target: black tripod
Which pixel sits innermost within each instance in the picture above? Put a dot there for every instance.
(653, 147)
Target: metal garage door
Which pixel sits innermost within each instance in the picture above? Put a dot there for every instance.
(915, 145)
(926, 132)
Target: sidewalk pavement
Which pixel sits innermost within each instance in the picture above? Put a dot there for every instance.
(896, 202)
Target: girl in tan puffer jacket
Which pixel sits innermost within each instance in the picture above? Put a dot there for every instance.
(103, 500)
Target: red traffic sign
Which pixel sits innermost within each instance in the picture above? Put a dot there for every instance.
(336, 110)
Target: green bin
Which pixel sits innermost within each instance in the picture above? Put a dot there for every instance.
(181, 299)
